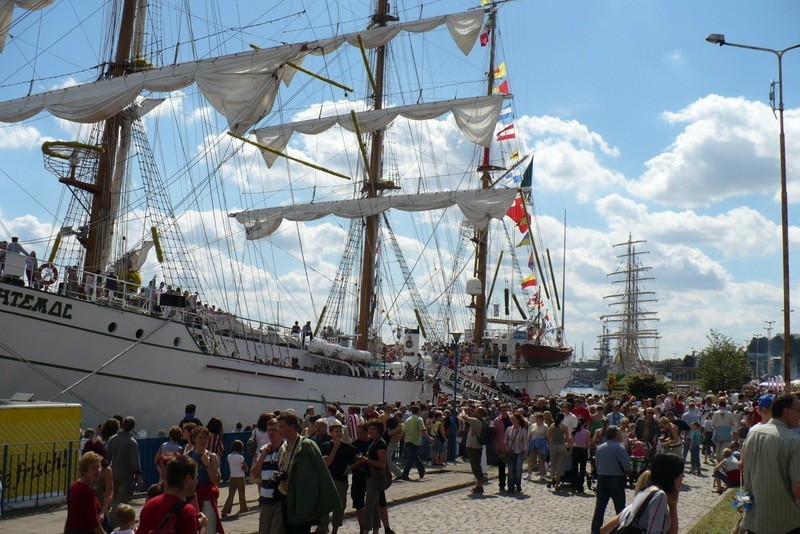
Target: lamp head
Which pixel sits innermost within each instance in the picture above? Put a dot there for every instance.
(716, 38)
(456, 336)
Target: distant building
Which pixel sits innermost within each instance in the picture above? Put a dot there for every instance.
(686, 376)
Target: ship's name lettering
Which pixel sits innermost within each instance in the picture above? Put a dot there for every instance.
(35, 303)
(469, 384)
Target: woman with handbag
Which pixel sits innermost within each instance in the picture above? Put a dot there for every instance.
(378, 480)
(654, 510)
(209, 475)
(516, 442)
(580, 454)
(558, 442)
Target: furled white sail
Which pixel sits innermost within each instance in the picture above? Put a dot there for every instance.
(134, 259)
(475, 117)
(7, 10)
(478, 206)
(242, 87)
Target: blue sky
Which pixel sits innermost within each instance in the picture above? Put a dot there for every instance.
(639, 126)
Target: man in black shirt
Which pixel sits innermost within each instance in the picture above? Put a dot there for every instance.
(338, 457)
(190, 416)
(358, 489)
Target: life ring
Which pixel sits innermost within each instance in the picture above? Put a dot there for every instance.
(409, 344)
(48, 274)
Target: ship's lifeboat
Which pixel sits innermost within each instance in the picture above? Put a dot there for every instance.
(544, 355)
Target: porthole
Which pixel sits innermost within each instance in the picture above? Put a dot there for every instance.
(176, 342)
(112, 327)
(139, 333)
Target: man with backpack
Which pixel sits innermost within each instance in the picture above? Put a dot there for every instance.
(479, 434)
(170, 511)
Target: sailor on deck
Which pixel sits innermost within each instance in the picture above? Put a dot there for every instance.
(15, 247)
(307, 332)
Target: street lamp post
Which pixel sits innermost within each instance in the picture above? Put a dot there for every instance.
(717, 38)
(451, 438)
(758, 357)
(768, 328)
(384, 375)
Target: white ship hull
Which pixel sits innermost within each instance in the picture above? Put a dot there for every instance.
(537, 381)
(63, 340)
(546, 381)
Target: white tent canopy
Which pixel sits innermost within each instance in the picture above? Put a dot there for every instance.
(478, 206)
(242, 86)
(476, 118)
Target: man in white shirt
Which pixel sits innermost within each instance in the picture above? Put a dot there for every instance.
(330, 415)
(615, 417)
(569, 418)
(722, 422)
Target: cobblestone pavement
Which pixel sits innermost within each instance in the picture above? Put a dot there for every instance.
(536, 510)
(439, 504)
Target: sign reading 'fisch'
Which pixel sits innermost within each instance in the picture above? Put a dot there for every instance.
(35, 303)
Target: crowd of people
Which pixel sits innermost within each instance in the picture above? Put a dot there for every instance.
(306, 466)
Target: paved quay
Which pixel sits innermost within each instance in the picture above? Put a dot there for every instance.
(447, 507)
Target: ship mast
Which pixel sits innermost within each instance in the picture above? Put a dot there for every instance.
(96, 241)
(481, 236)
(636, 329)
(372, 187)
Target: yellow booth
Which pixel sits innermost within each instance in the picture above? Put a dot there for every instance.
(40, 447)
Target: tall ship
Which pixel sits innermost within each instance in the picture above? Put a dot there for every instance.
(628, 345)
(249, 222)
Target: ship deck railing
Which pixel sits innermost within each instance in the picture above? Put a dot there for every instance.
(210, 327)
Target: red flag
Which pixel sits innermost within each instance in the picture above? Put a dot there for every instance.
(502, 88)
(529, 281)
(517, 214)
(506, 133)
(485, 37)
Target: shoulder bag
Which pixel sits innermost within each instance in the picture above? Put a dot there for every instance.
(251, 445)
(633, 527)
(381, 478)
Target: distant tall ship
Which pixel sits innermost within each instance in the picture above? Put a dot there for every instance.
(629, 342)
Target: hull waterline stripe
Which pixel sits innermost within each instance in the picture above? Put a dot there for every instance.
(256, 373)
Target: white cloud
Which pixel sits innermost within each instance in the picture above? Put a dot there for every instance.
(20, 136)
(560, 166)
(67, 82)
(202, 113)
(739, 232)
(33, 234)
(727, 149)
(547, 128)
(675, 57)
(568, 156)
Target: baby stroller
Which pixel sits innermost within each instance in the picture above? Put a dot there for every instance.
(639, 464)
